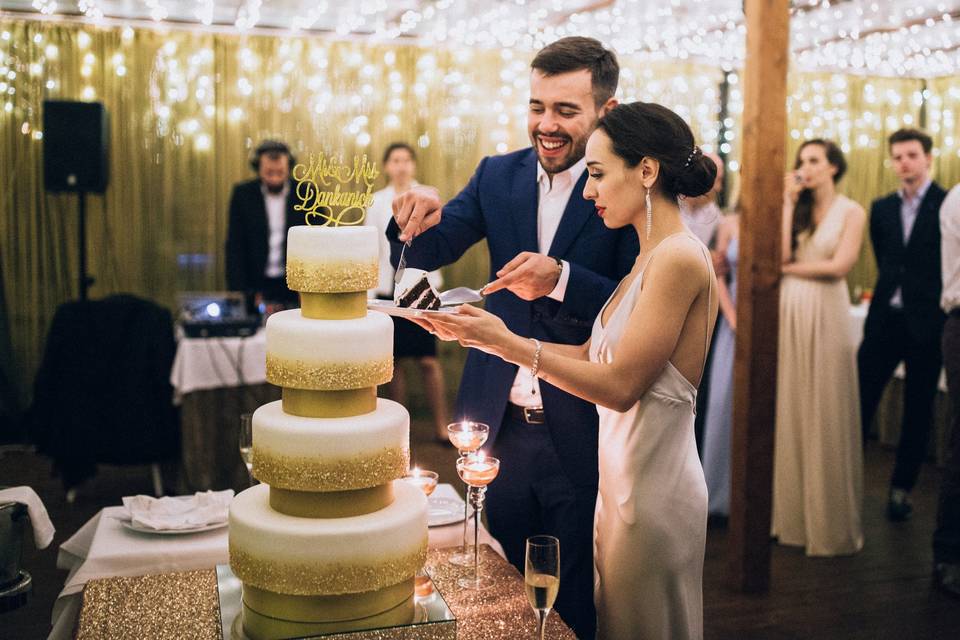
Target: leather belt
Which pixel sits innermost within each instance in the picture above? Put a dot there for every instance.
(530, 415)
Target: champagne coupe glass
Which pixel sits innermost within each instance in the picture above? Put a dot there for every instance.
(477, 471)
(467, 437)
(542, 576)
(246, 443)
(427, 481)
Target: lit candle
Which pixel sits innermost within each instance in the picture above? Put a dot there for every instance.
(468, 436)
(478, 470)
(426, 480)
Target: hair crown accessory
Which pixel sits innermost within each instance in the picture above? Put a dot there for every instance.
(695, 153)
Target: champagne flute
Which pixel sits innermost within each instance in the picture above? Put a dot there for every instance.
(467, 436)
(477, 470)
(246, 443)
(542, 576)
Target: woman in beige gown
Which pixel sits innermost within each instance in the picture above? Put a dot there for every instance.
(641, 367)
(818, 466)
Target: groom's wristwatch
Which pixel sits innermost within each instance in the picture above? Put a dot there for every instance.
(559, 266)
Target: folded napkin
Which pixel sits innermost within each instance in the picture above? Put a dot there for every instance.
(202, 509)
(42, 527)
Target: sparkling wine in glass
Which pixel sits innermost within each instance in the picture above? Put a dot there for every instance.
(542, 576)
(246, 443)
(467, 436)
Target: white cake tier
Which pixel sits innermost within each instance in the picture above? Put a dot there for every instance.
(331, 454)
(304, 353)
(316, 556)
(332, 259)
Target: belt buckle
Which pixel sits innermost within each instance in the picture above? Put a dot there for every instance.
(533, 415)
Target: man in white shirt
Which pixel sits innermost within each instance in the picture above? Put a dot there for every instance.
(905, 321)
(946, 538)
(554, 264)
(261, 212)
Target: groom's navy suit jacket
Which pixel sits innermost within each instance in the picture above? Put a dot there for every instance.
(500, 204)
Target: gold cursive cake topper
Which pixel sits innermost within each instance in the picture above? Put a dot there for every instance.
(323, 187)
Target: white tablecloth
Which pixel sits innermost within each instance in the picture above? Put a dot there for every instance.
(213, 363)
(104, 548)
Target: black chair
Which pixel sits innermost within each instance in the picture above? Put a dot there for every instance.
(102, 393)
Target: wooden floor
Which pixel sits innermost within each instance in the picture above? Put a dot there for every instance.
(884, 592)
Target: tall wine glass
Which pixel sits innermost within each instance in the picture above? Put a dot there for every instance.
(246, 443)
(477, 471)
(542, 576)
(467, 436)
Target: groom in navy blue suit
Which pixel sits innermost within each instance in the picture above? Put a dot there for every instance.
(555, 265)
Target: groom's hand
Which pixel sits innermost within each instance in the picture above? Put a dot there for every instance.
(416, 211)
(528, 276)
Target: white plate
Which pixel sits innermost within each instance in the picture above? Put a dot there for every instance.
(172, 532)
(441, 511)
(391, 309)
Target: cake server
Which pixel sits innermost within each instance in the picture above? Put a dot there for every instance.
(401, 263)
(461, 295)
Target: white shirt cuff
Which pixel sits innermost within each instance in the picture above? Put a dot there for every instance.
(560, 290)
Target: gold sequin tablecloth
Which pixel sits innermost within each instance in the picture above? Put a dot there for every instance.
(184, 605)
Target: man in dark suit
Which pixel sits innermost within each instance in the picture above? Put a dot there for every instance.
(555, 265)
(905, 320)
(261, 212)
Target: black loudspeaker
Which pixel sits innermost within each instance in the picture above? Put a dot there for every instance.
(76, 138)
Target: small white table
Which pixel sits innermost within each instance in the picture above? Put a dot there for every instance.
(103, 547)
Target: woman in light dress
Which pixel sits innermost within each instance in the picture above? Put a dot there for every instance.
(818, 464)
(641, 367)
(718, 426)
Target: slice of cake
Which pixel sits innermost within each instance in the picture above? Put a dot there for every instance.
(415, 291)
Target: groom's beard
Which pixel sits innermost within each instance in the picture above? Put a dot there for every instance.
(275, 189)
(575, 150)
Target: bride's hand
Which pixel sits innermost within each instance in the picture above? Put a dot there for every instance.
(433, 329)
(471, 327)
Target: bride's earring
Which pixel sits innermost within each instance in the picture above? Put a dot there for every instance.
(649, 214)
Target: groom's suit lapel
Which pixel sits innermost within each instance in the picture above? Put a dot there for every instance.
(525, 196)
(575, 215)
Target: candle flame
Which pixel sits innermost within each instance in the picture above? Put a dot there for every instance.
(416, 472)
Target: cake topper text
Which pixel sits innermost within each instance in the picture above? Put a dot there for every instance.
(323, 187)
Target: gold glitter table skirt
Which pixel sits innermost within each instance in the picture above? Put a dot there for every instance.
(184, 605)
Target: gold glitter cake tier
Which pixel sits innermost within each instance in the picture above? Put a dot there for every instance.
(307, 473)
(331, 454)
(313, 556)
(332, 277)
(330, 376)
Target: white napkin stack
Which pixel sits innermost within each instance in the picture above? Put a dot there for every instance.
(202, 509)
(42, 527)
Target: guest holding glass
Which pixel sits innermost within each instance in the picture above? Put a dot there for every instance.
(905, 321)
(818, 457)
(719, 420)
(409, 340)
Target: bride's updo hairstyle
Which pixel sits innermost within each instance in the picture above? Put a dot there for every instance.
(646, 130)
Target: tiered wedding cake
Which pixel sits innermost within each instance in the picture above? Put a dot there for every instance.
(330, 541)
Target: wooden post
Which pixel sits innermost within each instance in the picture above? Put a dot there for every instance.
(755, 368)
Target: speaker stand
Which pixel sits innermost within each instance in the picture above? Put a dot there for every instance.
(85, 280)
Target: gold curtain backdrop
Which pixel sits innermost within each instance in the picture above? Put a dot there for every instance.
(187, 106)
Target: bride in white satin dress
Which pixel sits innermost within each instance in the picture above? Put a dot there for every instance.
(641, 367)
